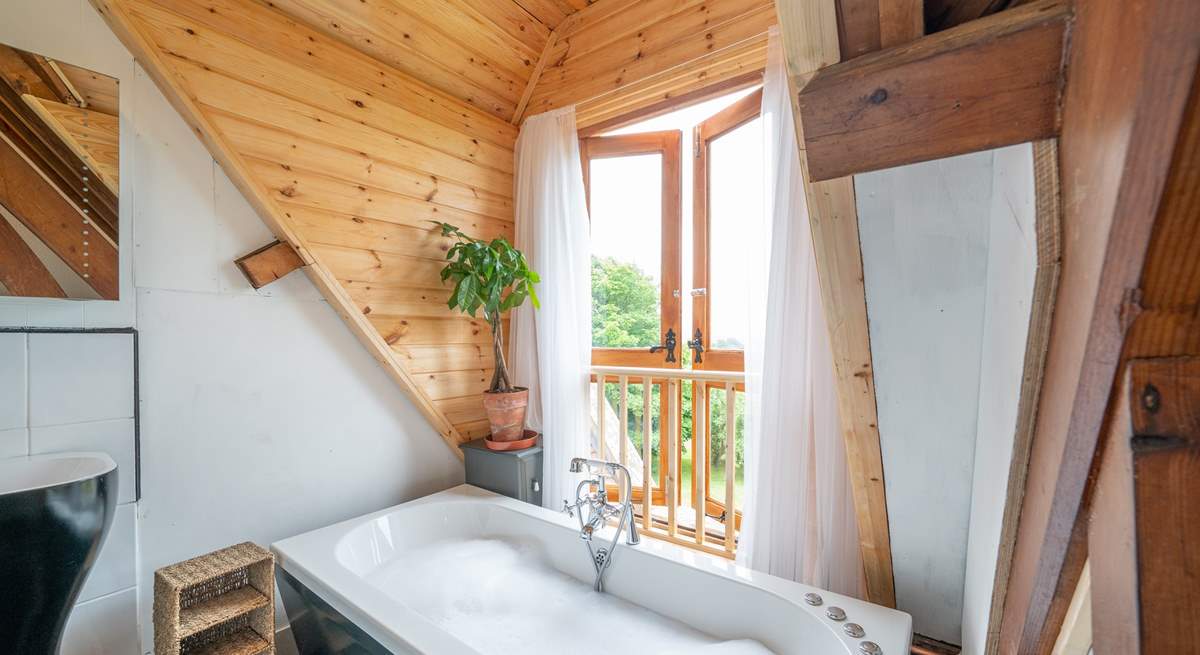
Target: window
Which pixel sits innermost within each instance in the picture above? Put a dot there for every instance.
(668, 294)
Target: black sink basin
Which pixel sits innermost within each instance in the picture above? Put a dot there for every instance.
(55, 511)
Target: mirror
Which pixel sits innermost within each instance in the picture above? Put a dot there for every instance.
(59, 179)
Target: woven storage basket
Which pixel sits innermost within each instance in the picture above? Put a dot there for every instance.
(222, 603)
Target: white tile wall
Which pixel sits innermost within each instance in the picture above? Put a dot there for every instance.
(77, 391)
(103, 626)
(14, 442)
(114, 437)
(14, 401)
(116, 568)
(80, 377)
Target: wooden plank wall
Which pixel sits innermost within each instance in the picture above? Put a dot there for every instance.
(481, 52)
(347, 159)
(617, 56)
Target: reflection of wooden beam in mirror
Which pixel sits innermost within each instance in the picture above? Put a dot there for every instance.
(39, 144)
(51, 76)
(91, 135)
(56, 221)
(17, 72)
(21, 272)
(99, 92)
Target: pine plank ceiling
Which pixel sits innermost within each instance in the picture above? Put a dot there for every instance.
(483, 52)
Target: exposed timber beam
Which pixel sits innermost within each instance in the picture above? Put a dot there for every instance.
(21, 272)
(985, 84)
(1129, 285)
(269, 263)
(51, 74)
(93, 136)
(59, 223)
(867, 25)
(523, 103)
(809, 29)
(1144, 534)
(17, 72)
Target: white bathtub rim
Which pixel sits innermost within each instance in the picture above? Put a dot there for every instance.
(408, 631)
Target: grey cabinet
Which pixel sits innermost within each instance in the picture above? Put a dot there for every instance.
(514, 473)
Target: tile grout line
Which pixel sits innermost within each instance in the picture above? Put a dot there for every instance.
(28, 400)
(110, 594)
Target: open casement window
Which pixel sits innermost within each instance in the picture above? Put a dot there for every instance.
(727, 182)
(635, 183)
(633, 196)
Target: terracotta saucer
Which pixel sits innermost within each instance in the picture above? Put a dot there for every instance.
(529, 440)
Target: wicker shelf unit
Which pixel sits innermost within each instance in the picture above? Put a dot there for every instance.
(221, 603)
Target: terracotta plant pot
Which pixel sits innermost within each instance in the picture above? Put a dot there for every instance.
(506, 413)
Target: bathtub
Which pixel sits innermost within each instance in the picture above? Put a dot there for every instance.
(466, 571)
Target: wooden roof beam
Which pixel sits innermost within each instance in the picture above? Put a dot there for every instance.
(59, 223)
(985, 84)
(1128, 289)
(21, 272)
(38, 142)
(811, 32)
(865, 26)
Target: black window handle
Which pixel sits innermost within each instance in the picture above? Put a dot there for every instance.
(668, 346)
(697, 346)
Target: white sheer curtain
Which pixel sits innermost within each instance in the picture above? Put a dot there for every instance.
(800, 522)
(551, 347)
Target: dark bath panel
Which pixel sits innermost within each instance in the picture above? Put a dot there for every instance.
(317, 627)
(55, 511)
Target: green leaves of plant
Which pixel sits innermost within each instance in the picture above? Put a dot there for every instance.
(491, 275)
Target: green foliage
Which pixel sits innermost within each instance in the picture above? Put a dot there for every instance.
(492, 276)
(624, 305)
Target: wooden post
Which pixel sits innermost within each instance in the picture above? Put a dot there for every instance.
(810, 35)
(1144, 537)
(1129, 152)
(647, 488)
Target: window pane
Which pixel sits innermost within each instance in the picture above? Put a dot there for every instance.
(626, 212)
(735, 193)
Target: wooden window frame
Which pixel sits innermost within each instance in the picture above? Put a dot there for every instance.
(710, 129)
(667, 144)
(723, 122)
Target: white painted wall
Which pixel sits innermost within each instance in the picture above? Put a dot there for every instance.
(1012, 263)
(948, 257)
(261, 415)
(924, 231)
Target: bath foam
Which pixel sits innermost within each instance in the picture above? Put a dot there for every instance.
(499, 597)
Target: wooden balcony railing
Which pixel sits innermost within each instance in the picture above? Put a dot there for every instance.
(711, 522)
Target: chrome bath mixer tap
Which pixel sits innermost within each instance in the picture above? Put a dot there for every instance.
(592, 495)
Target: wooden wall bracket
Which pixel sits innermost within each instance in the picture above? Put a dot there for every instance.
(269, 263)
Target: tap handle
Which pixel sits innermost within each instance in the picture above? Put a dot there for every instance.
(567, 509)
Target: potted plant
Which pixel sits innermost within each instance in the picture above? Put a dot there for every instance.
(495, 277)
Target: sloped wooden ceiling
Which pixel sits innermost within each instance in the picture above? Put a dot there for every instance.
(621, 55)
(347, 159)
(350, 125)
